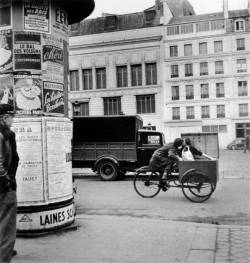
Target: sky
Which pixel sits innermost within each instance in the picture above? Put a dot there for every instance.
(131, 6)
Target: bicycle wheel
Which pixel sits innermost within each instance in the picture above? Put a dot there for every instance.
(147, 185)
(197, 187)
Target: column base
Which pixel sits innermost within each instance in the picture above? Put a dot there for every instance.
(45, 218)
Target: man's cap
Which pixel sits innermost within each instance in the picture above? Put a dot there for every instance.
(178, 142)
(6, 109)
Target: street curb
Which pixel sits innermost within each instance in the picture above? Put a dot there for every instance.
(203, 245)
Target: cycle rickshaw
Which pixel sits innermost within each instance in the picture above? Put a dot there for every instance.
(197, 179)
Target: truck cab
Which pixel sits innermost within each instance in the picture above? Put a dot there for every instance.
(147, 142)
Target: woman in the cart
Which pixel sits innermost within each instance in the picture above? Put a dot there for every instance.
(171, 153)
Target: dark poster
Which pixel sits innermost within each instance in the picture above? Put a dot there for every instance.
(5, 13)
(53, 98)
(27, 51)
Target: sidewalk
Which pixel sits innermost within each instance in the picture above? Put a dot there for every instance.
(105, 239)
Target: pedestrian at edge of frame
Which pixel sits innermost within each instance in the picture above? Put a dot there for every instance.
(8, 202)
(247, 144)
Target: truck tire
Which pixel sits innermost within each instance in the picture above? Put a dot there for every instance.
(107, 170)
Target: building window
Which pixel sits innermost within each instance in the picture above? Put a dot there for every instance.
(136, 75)
(203, 48)
(87, 82)
(243, 110)
(173, 51)
(188, 50)
(81, 109)
(176, 113)
(122, 76)
(190, 112)
(173, 30)
(204, 91)
(219, 68)
(239, 25)
(242, 88)
(215, 128)
(174, 71)
(145, 104)
(74, 80)
(112, 105)
(151, 74)
(218, 46)
(189, 92)
(203, 68)
(202, 26)
(220, 111)
(217, 24)
(241, 65)
(187, 28)
(220, 91)
(188, 70)
(242, 129)
(240, 44)
(175, 93)
(205, 112)
(100, 78)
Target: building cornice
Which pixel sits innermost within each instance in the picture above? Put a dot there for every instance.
(119, 42)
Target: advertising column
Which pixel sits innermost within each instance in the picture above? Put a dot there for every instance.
(34, 80)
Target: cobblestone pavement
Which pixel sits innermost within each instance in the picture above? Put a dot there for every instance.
(233, 244)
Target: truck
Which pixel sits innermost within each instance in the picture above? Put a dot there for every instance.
(113, 145)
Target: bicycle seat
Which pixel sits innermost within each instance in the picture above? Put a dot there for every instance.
(143, 169)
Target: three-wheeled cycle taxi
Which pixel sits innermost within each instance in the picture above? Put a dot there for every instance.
(197, 179)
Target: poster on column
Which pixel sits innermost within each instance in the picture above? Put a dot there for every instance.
(60, 22)
(29, 176)
(52, 62)
(5, 14)
(6, 89)
(27, 51)
(37, 15)
(28, 94)
(5, 51)
(53, 98)
(59, 135)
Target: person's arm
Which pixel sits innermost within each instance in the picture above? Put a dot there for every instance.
(173, 155)
(3, 171)
(209, 157)
(194, 151)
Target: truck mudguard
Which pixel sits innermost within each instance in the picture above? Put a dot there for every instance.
(105, 158)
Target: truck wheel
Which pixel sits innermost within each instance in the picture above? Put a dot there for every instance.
(107, 170)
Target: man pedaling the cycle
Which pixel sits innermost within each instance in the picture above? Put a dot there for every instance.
(170, 154)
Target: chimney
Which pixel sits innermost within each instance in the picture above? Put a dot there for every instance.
(225, 8)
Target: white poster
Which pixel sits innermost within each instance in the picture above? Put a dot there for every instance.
(30, 179)
(59, 169)
(37, 15)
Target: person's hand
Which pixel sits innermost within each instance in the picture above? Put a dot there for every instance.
(212, 159)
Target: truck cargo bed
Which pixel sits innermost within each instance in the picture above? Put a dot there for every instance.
(123, 151)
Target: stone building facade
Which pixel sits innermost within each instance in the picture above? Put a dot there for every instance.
(180, 71)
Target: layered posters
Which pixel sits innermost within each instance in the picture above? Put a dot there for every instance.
(52, 59)
(27, 51)
(53, 97)
(28, 94)
(59, 135)
(5, 13)
(5, 51)
(60, 22)
(6, 89)
(37, 15)
(30, 171)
